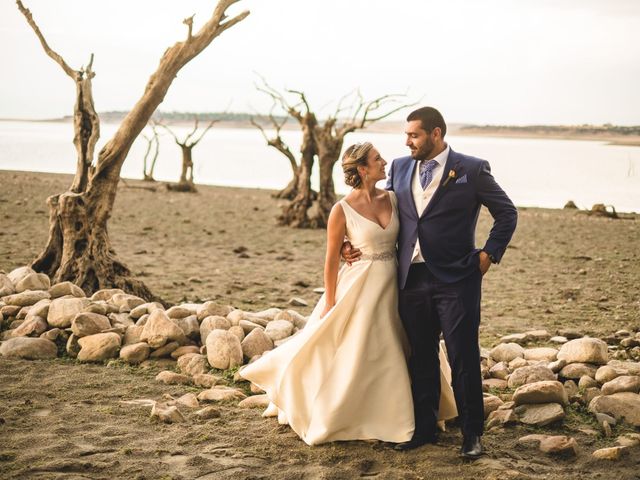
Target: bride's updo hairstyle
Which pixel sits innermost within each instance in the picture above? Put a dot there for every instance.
(355, 156)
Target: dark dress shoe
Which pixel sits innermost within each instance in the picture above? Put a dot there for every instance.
(471, 447)
(415, 442)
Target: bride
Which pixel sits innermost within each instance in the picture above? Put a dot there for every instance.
(344, 376)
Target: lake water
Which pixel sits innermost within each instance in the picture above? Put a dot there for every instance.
(534, 172)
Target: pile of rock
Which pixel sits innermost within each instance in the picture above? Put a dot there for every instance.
(37, 317)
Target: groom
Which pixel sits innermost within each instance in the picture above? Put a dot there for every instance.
(440, 270)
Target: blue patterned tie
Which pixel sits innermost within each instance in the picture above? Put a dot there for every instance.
(426, 172)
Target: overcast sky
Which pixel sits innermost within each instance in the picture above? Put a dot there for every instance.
(479, 61)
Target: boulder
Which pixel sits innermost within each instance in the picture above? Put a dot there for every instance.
(584, 350)
(29, 348)
(220, 394)
(619, 405)
(540, 414)
(542, 353)
(25, 299)
(63, 310)
(39, 309)
(135, 353)
(223, 350)
(505, 352)
(532, 374)
(491, 403)
(576, 370)
(499, 370)
(33, 281)
(178, 311)
(167, 414)
(587, 382)
(126, 302)
(256, 343)
(237, 331)
(132, 335)
(208, 309)
(64, 289)
(193, 364)
(207, 413)
(189, 326)
(611, 453)
(105, 294)
(211, 323)
(188, 400)
(181, 351)
(73, 347)
(16, 275)
(255, 401)
(172, 378)
(501, 417)
(32, 326)
(6, 286)
(85, 324)
(623, 383)
(159, 329)
(205, 380)
(278, 329)
(546, 391)
(165, 350)
(559, 445)
(248, 326)
(99, 347)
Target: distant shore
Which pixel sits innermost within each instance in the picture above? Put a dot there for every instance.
(609, 133)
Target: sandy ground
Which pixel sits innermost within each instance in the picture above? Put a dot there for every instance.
(565, 270)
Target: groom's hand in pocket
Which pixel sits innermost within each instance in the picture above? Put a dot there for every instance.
(485, 262)
(349, 253)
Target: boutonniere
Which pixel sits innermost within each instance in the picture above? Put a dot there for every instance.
(452, 175)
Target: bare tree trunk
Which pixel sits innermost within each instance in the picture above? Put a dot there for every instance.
(328, 155)
(154, 143)
(186, 176)
(78, 248)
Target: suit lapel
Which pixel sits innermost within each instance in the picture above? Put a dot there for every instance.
(405, 181)
(440, 191)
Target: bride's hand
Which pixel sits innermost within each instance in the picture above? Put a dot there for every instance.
(327, 307)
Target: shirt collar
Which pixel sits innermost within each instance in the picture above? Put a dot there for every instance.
(441, 158)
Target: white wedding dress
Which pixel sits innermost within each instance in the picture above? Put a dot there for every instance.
(344, 376)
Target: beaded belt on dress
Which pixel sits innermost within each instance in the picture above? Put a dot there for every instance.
(382, 256)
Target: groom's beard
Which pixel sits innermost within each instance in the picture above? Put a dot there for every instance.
(425, 152)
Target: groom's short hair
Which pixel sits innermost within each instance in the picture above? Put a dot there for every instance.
(430, 118)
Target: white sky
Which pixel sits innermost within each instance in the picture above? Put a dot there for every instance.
(480, 61)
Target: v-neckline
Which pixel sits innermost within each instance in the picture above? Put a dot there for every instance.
(373, 221)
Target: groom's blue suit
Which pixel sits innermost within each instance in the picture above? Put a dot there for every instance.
(443, 293)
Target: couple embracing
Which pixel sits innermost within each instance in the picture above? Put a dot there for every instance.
(369, 364)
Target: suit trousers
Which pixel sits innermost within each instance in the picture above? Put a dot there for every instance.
(429, 307)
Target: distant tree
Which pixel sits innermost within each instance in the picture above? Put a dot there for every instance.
(186, 184)
(152, 144)
(78, 248)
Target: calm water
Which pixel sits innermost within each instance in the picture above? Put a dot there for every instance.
(540, 173)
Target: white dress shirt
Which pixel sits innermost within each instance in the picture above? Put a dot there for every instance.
(422, 197)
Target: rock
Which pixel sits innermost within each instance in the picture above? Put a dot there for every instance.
(84, 324)
(542, 353)
(66, 288)
(589, 394)
(220, 394)
(211, 323)
(188, 400)
(606, 373)
(132, 335)
(629, 440)
(189, 326)
(237, 331)
(6, 286)
(173, 378)
(193, 364)
(558, 339)
(491, 403)
(255, 389)
(99, 347)
(54, 334)
(33, 326)
(255, 401)
(179, 311)
(586, 382)
(16, 275)
(248, 326)
(159, 329)
(223, 350)
(501, 417)
(559, 445)
(25, 299)
(73, 347)
(33, 281)
(519, 338)
(298, 302)
(105, 294)
(612, 453)
(525, 375)
(181, 351)
(603, 417)
(577, 370)
(235, 316)
(546, 391)
(39, 309)
(205, 380)
(540, 414)
(208, 413)
(571, 388)
(165, 350)
(208, 309)
(538, 335)
(494, 383)
(626, 368)
(256, 343)
(167, 414)
(584, 350)
(499, 370)
(531, 440)
(8, 311)
(63, 310)
(623, 405)
(126, 302)
(517, 363)
(279, 329)
(121, 320)
(505, 352)
(29, 348)
(135, 353)
(556, 366)
(624, 383)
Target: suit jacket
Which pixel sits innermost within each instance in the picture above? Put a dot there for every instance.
(446, 228)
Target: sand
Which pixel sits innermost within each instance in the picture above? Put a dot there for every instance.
(564, 270)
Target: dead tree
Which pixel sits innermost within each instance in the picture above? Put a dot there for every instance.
(78, 248)
(186, 183)
(290, 191)
(152, 144)
(329, 139)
